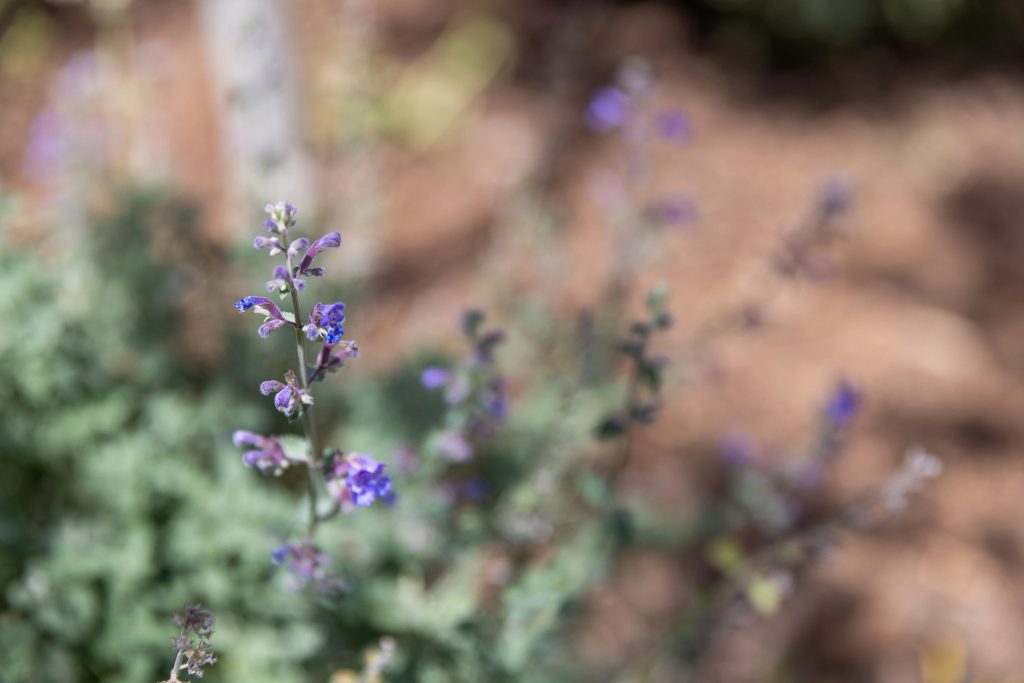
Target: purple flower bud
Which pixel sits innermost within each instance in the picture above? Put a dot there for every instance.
(284, 401)
(268, 456)
(298, 245)
(435, 377)
(270, 386)
(261, 242)
(242, 437)
(610, 108)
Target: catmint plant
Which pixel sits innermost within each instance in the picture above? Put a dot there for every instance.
(192, 655)
(474, 391)
(350, 480)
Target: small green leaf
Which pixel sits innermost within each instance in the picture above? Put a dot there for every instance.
(295, 447)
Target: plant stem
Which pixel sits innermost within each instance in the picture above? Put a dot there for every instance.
(310, 421)
(177, 660)
(622, 457)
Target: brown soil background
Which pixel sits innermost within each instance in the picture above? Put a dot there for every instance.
(924, 309)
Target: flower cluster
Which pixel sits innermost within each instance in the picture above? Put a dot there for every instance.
(288, 395)
(326, 322)
(474, 391)
(193, 657)
(353, 480)
(356, 480)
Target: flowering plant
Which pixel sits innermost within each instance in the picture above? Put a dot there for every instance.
(351, 480)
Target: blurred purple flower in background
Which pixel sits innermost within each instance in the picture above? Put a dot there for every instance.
(306, 563)
(674, 125)
(435, 377)
(609, 108)
(843, 404)
(671, 211)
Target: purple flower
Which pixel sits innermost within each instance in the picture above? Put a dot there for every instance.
(435, 377)
(609, 108)
(267, 456)
(288, 396)
(674, 125)
(263, 306)
(367, 481)
(842, 405)
(327, 322)
(358, 480)
(329, 241)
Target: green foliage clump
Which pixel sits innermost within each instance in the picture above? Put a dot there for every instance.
(120, 494)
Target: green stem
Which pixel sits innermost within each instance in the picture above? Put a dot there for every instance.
(177, 660)
(310, 421)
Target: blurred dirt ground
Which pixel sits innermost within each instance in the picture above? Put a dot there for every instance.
(924, 307)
